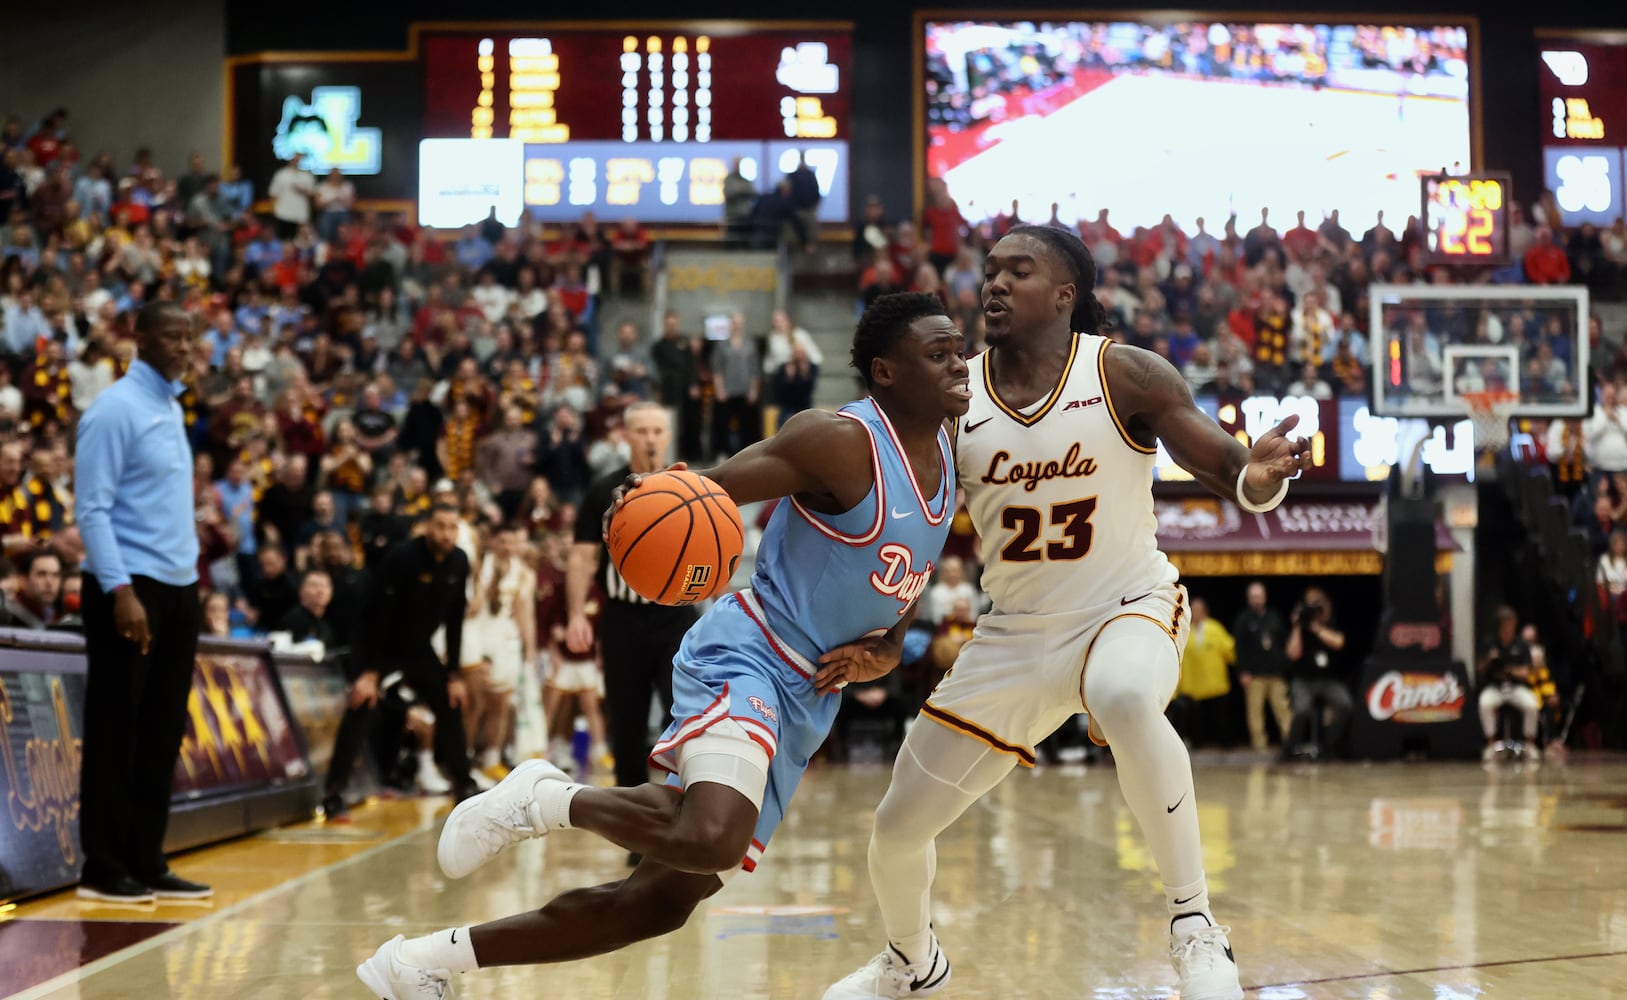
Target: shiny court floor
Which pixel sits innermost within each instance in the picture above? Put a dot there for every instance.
(1340, 881)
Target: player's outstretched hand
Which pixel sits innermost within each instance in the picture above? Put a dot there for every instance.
(619, 494)
(1276, 457)
(864, 660)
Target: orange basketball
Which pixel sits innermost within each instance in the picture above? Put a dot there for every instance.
(676, 539)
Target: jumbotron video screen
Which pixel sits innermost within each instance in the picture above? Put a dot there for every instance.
(1194, 118)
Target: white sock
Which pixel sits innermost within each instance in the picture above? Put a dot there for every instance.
(553, 802)
(490, 757)
(1185, 900)
(451, 949)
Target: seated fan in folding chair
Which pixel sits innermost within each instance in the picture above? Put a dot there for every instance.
(1506, 675)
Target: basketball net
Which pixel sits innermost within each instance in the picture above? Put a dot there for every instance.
(1490, 412)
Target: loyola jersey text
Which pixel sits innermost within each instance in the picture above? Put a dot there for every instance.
(1060, 495)
(827, 579)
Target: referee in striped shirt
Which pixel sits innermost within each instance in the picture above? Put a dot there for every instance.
(638, 639)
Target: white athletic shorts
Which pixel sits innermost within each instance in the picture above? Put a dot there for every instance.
(574, 676)
(1020, 677)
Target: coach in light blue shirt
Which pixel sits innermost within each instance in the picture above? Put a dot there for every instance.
(133, 482)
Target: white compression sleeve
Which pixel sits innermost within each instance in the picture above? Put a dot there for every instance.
(1131, 674)
(920, 803)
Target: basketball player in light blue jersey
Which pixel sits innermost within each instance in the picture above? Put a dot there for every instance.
(870, 496)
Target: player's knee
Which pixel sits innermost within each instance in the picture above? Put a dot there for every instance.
(725, 773)
(892, 831)
(713, 846)
(1118, 702)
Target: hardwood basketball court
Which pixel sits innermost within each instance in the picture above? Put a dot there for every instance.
(1340, 881)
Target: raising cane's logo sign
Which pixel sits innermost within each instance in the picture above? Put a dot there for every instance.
(1405, 697)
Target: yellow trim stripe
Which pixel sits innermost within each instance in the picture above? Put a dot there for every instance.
(1107, 397)
(1024, 756)
(1056, 391)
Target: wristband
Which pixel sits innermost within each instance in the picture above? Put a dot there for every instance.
(118, 587)
(1254, 508)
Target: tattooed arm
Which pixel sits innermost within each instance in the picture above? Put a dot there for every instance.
(1154, 403)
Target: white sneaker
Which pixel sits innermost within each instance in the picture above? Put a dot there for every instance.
(889, 976)
(1490, 753)
(1204, 964)
(392, 979)
(481, 826)
(430, 779)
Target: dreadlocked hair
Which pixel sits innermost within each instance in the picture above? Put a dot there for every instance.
(885, 322)
(1088, 314)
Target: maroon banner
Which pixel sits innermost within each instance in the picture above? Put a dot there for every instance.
(1207, 524)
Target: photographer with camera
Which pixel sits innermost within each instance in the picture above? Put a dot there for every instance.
(1506, 672)
(1318, 676)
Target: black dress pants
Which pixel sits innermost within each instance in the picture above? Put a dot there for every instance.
(425, 676)
(135, 719)
(638, 644)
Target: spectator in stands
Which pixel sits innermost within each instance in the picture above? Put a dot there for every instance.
(945, 227)
(1545, 262)
(737, 380)
(1506, 674)
(333, 553)
(739, 205)
(1310, 383)
(308, 619)
(36, 603)
(795, 382)
(1199, 370)
(217, 615)
(1199, 711)
(1612, 572)
(805, 196)
(1262, 661)
(1299, 241)
(783, 336)
(630, 247)
(1260, 240)
(870, 232)
(291, 191)
(950, 587)
(273, 590)
(506, 458)
(1320, 676)
(1605, 432)
(630, 367)
(381, 527)
(335, 201)
(562, 455)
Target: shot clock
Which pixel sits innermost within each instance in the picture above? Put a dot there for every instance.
(1466, 219)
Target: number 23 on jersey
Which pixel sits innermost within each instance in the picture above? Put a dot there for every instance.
(1068, 538)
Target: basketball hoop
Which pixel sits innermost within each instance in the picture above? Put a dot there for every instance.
(1491, 412)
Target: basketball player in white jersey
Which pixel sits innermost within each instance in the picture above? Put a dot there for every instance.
(1056, 454)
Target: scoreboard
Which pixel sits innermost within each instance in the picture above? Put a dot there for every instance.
(1583, 87)
(1466, 218)
(643, 121)
(637, 84)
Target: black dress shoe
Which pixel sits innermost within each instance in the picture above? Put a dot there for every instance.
(334, 808)
(172, 886)
(123, 889)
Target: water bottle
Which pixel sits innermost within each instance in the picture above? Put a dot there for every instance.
(579, 747)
